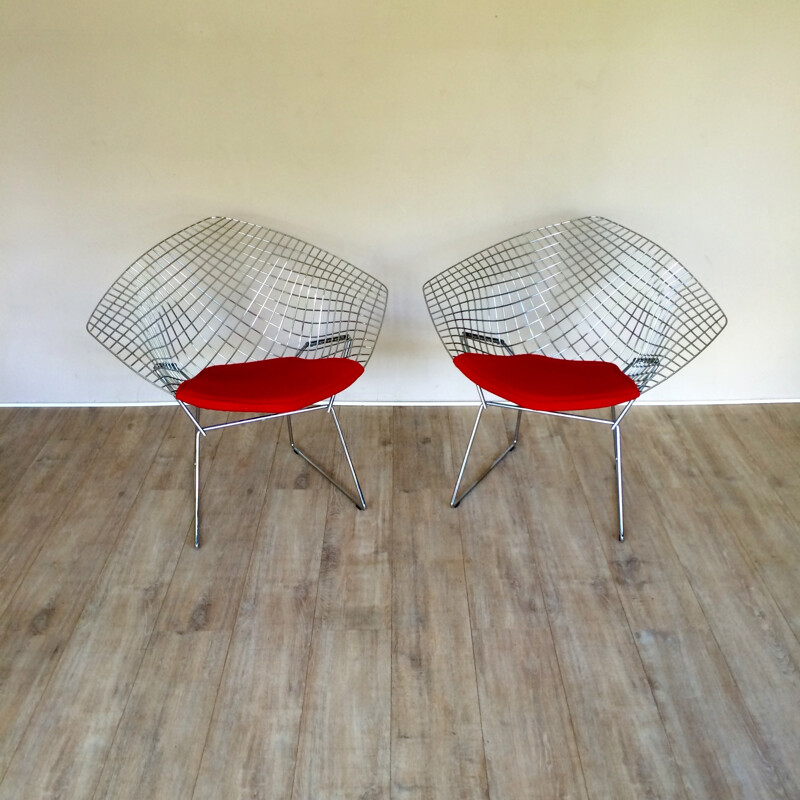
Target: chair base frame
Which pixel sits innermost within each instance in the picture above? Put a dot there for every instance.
(614, 423)
(200, 430)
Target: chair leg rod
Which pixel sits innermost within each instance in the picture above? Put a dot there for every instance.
(359, 501)
(456, 498)
(618, 464)
(516, 430)
(197, 488)
(363, 504)
(453, 501)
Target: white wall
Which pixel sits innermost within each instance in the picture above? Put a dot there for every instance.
(403, 136)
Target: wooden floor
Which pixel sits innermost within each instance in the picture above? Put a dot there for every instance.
(508, 649)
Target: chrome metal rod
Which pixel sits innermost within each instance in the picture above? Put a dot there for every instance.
(349, 460)
(565, 414)
(191, 416)
(359, 501)
(618, 465)
(453, 501)
(616, 419)
(234, 423)
(197, 488)
(456, 500)
(516, 429)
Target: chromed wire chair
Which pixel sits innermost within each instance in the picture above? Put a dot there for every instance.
(581, 315)
(230, 316)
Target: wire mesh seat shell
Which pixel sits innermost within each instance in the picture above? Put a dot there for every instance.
(585, 290)
(588, 289)
(225, 291)
(229, 315)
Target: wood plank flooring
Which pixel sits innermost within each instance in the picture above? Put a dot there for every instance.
(511, 648)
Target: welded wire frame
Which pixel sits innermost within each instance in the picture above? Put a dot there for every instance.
(586, 289)
(225, 291)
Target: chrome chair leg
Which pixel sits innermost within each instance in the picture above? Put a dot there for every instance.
(456, 500)
(197, 488)
(359, 500)
(363, 503)
(618, 465)
(199, 431)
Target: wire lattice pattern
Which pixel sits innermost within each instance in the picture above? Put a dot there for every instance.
(224, 291)
(587, 289)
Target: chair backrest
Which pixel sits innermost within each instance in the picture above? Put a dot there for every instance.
(586, 289)
(224, 291)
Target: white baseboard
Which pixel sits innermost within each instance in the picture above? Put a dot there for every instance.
(413, 403)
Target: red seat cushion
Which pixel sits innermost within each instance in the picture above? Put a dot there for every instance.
(548, 384)
(273, 386)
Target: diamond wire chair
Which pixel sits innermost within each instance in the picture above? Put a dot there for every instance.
(231, 316)
(585, 314)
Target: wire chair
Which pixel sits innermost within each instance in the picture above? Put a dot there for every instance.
(231, 316)
(585, 314)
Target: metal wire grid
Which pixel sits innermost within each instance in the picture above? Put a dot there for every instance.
(223, 291)
(586, 289)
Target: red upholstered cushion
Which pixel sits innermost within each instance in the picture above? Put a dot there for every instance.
(273, 386)
(548, 384)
